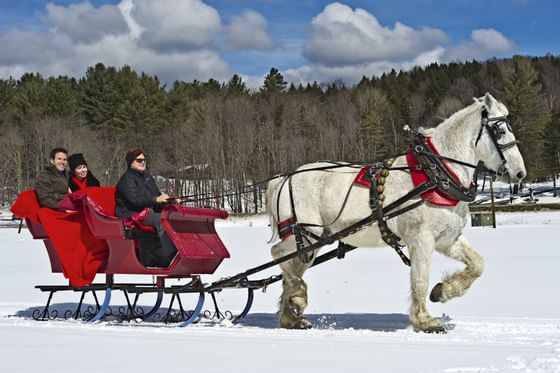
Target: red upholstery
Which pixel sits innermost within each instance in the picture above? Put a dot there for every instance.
(97, 204)
(71, 246)
(27, 206)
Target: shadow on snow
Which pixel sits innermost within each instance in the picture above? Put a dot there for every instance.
(364, 321)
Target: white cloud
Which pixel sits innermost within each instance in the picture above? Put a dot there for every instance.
(348, 44)
(83, 23)
(342, 37)
(24, 47)
(175, 25)
(249, 32)
(484, 43)
(188, 66)
(61, 51)
(177, 39)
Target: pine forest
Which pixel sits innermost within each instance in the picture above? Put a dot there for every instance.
(218, 139)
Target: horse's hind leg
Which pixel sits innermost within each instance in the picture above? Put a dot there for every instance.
(293, 300)
(457, 284)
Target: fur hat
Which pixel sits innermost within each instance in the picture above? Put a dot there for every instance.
(132, 154)
(76, 160)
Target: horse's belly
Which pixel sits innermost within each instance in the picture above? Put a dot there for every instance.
(367, 237)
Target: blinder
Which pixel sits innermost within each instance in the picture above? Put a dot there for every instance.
(494, 127)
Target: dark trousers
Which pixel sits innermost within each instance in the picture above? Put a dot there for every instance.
(161, 256)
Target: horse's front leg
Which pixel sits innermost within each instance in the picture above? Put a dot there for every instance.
(457, 284)
(293, 300)
(421, 251)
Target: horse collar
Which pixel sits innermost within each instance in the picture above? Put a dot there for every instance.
(427, 165)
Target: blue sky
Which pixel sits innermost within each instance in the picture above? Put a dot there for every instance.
(306, 39)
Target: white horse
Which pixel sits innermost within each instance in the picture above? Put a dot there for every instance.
(328, 202)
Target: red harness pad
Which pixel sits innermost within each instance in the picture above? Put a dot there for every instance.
(285, 228)
(434, 196)
(362, 178)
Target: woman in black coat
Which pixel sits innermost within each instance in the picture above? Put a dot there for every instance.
(137, 190)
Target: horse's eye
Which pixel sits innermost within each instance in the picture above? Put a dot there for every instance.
(496, 132)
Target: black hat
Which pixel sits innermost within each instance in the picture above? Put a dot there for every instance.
(75, 160)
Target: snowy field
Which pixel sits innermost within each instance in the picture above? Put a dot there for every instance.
(509, 321)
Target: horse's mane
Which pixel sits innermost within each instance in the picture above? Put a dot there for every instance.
(447, 125)
(476, 106)
(451, 132)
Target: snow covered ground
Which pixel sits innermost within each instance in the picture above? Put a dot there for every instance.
(509, 321)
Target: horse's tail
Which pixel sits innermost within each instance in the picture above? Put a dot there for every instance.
(272, 196)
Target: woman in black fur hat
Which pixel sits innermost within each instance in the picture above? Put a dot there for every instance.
(80, 176)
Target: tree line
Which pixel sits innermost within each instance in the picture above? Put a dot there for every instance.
(212, 138)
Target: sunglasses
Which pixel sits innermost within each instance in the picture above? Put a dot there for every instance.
(140, 160)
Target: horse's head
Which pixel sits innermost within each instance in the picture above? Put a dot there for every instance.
(496, 145)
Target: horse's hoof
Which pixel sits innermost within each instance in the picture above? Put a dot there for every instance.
(295, 324)
(435, 294)
(303, 324)
(434, 329)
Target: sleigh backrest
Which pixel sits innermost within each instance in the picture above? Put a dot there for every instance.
(27, 207)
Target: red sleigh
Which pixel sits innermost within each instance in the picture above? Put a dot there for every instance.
(93, 241)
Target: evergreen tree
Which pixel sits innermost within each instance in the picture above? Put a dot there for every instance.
(29, 99)
(99, 97)
(7, 92)
(236, 86)
(212, 86)
(523, 97)
(153, 104)
(314, 89)
(373, 106)
(61, 96)
(552, 143)
(372, 132)
(273, 82)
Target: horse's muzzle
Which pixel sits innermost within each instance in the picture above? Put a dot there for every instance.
(516, 177)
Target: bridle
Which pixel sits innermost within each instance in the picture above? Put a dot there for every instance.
(492, 125)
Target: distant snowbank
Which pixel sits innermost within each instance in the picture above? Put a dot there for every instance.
(502, 218)
(528, 218)
(256, 220)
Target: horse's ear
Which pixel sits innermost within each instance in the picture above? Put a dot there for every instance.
(488, 100)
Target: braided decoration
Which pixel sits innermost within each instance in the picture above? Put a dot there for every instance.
(387, 235)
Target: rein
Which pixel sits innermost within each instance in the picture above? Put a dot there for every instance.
(251, 188)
